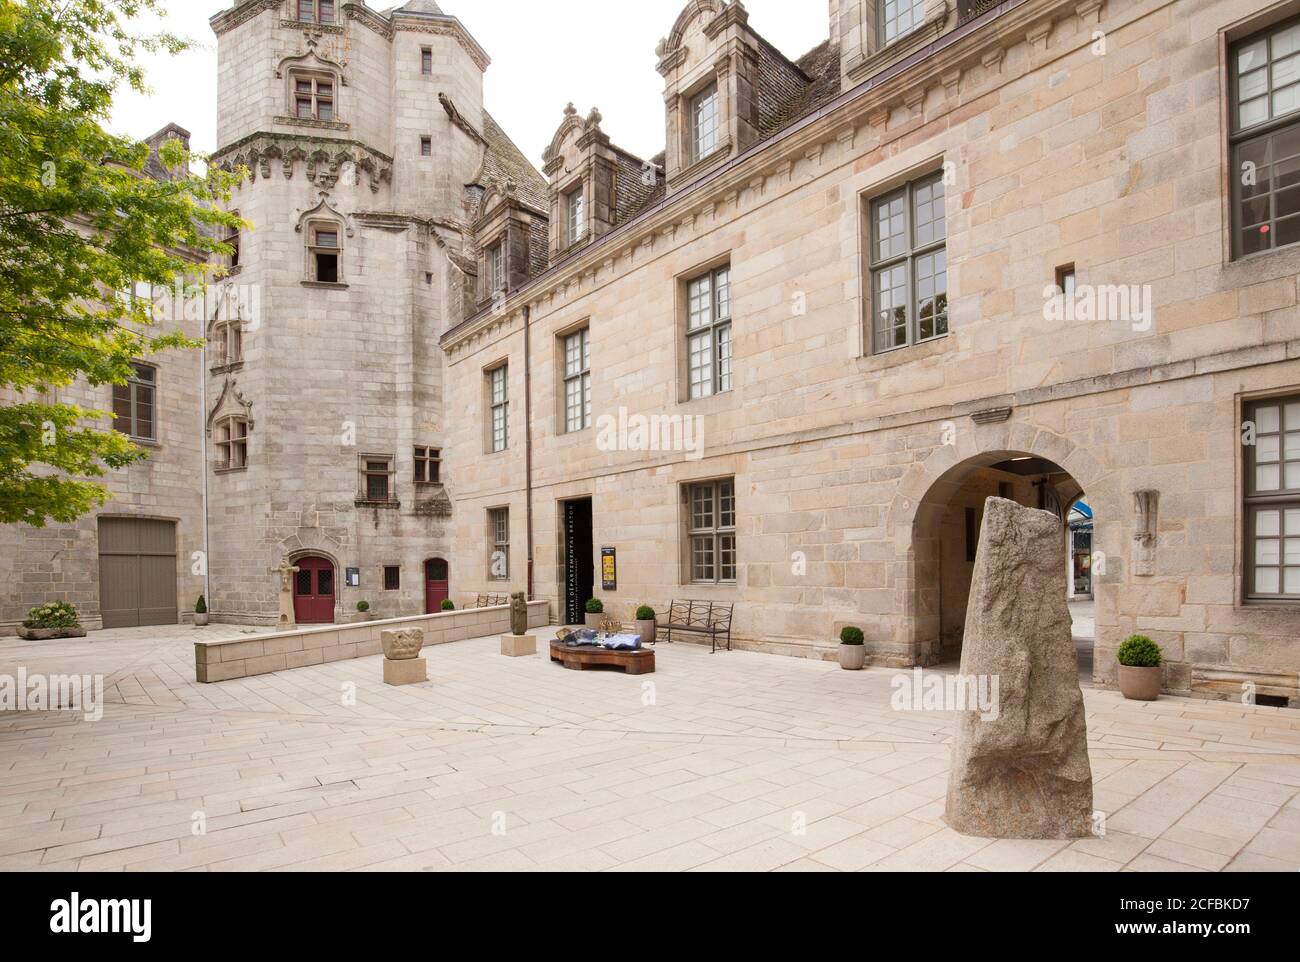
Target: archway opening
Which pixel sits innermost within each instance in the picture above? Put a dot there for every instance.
(945, 538)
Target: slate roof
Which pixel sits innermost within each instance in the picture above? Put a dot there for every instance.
(504, 161)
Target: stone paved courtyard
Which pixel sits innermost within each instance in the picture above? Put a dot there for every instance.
(730, 761)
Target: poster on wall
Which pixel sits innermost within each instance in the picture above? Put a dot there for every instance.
(609, 569)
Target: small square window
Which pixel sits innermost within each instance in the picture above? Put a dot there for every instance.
(1065, 281)
(392, 578)
(426, 61)
(426, 146)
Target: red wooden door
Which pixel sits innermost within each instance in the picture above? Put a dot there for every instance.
(436, 589)
(313, 592)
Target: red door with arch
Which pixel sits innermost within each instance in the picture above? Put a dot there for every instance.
(313, 591)
(436, 585)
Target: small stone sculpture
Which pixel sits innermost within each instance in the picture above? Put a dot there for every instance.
(518, 614)
(403, 644)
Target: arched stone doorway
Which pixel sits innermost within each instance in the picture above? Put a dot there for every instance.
(937, 514)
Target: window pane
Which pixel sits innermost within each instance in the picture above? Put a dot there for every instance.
(932, 294)
(1252, 56)
(890, 226)
(702, 567)
(1268, 524)
(304, 582)
(1268, 551)
(727, 504)
(724, 358)
(891, 307)
(727, 557)
(325, 583)
(928, 215)
(702, 507)
(704, 114)
(722, 281)
(1267, 581)
(700, 352)
(699, 296)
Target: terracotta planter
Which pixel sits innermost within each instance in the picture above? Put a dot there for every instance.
(364, 616)
(853, 657)
(593, 621)
(647, 630)
(1140, 684)
(200, 619)
(45, 634)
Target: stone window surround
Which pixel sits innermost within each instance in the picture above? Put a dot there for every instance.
(490, 284)
(498, 542)
(866, 195)
(225, 427)
(392, 578)
(1261, 27)
(316, 75)
(295, 17)
(876, 55)
(364, 461)
(1251, 502)
(683, 282)
(311, 249)
(682, 126)
(562, 377)
(429, 458)
(223, 334)
(134, 386)
(563, 191)
(718, 531)
(491, 406)
(575, 214)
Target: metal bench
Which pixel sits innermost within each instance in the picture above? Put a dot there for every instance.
(701, 618)
(491, 601)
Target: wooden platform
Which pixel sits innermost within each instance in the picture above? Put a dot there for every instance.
(578, 659)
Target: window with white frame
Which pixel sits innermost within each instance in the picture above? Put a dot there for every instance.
(232, 443)
(498, 522)
(708, 333)
(706, 122)
(325, 252)
(313, 96)
(499, 405)
(1272, 487)
(577, 381)
(909, 265)
(575, 205)
(711, 531)
(1265, 140)
(898, 18)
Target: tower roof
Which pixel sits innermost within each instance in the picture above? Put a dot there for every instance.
(419, 6)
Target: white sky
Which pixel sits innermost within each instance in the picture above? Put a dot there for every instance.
(610, 64)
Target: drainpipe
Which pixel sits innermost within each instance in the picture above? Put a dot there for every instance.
(528, 439)
(203, 466)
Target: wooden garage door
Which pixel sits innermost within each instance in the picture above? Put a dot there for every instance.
(137, 572)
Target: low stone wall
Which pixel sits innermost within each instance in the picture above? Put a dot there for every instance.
(260, 655)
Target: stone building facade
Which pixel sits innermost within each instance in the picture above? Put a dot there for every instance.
(1016, 249)
(1038, 249)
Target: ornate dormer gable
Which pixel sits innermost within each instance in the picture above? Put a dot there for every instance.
(505, 236)
(595, 185)
(720, 77)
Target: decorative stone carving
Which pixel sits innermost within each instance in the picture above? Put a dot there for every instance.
(286, 571)
(1021, 770)
(402, 644)
(1147, 505)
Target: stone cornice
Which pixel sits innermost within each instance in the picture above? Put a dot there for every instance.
(241, 13)
(323, 158)
(367, 17)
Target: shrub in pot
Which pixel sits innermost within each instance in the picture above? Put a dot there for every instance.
(853, 649)
(645, 623)
(1140, 676)
(363, 611)
(448, 605)
(595, 614)
(55, 619)
(201, 612)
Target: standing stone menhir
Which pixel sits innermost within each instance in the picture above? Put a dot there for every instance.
(1025, 773)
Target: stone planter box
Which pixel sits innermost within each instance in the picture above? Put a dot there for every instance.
(1140, 684)
(647, 630)
(593, 621)
(853, 657)
(46, 634)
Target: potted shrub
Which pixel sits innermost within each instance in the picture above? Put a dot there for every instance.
(595, 614)
(645, 623)
(200, 612)
(363, 611)
(448, 605)
(1140, 676)
(853, 649)
(55, 619)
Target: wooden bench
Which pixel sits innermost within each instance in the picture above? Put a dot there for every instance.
(491, 601)
(640, 662)
(701, 618)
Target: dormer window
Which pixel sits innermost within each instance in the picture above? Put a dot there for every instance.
(898, 18)
(316, 11)
(325, 253)
(576, 206)
(705, 122)
(313, 97)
